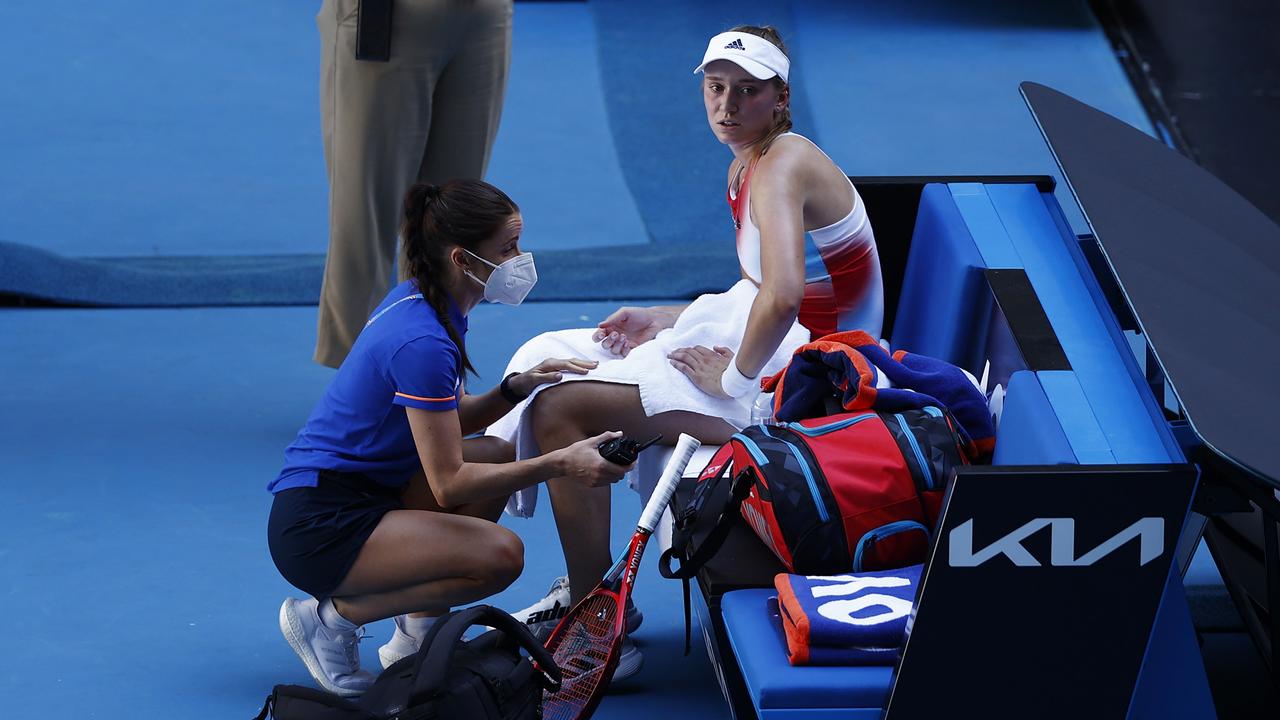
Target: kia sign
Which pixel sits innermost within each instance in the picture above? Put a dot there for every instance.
(1041, 591)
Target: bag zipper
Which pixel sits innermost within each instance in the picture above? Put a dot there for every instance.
(915, 447)
(752, 448)
(819, 430)
(884, 531)
(808, 475)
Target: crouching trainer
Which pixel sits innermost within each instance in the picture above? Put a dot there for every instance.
(384, 507)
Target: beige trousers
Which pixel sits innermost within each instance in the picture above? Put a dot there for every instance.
(430, 115)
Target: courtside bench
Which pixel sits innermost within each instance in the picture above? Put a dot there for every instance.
(992, 280)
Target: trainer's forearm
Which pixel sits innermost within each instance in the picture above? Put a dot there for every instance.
(472, 482)
(477, 412)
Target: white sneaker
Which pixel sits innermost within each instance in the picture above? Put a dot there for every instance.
(543, 616)
(331, 656)
(629, 660)
(400, 646)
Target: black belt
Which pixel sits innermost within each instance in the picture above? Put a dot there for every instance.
(373, 30)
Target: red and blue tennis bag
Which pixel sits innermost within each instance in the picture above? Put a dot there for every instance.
(848, 492)
(853, 491)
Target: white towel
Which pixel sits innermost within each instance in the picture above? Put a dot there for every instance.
(710, 320)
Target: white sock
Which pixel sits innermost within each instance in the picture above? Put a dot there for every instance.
(331, 619)
(418, 627)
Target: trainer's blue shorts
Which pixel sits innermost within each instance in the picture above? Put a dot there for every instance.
(315, 533)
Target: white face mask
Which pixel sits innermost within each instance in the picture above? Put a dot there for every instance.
(509, 282)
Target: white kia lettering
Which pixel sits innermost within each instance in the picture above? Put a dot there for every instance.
(1062, 543)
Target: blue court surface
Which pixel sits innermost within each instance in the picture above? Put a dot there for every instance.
(137, 448)
(164, 160)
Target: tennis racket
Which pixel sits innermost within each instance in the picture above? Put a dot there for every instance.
(587, 641)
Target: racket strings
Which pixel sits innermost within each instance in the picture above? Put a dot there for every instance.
(582, 651)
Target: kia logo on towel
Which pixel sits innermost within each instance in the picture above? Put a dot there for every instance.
(1062, 546)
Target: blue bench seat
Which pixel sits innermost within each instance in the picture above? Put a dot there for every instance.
(778, 690)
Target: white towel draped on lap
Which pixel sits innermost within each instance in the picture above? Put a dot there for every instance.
(710, 320)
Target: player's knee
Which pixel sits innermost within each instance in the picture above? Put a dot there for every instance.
(556, 416)
(488, 449)
(503, 451)
(544, 409)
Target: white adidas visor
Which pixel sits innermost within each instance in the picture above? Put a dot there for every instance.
(759, 57)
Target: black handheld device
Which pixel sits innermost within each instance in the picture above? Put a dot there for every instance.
(624, 450)
(373, 30)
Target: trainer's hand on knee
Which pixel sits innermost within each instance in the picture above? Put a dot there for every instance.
(703, 366)
(584, 464)
(551, 370)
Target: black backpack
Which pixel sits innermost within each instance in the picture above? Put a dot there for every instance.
(486, 678)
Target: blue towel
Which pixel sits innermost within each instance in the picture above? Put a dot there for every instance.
(855, 619)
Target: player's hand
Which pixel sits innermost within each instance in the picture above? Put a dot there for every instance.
(629, 327)
(550, 370)
(703, 366)
(583, 463)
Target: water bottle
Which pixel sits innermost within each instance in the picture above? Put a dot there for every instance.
(762, 409)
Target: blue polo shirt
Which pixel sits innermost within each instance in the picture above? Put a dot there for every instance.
(402, 358)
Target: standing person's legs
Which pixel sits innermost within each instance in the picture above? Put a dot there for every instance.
(375, 120)
(567, 413)
(469, 94)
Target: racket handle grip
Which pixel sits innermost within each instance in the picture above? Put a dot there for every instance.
(666, 487)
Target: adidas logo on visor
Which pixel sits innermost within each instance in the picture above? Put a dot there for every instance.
(735, 45)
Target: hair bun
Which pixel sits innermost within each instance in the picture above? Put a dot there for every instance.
(429, 194)
(418, 200)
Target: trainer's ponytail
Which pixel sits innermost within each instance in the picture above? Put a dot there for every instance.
(437, 217)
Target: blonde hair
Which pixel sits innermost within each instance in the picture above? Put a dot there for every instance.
(783, 123)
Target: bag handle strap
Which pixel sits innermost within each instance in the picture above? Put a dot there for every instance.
(442, 641)
(689, 566)
(266, 707)
(682, 532)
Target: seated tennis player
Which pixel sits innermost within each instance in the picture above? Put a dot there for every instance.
(383, 509)
(696, 368)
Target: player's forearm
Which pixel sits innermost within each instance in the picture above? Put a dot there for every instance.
(772, 314)
(670, 313)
